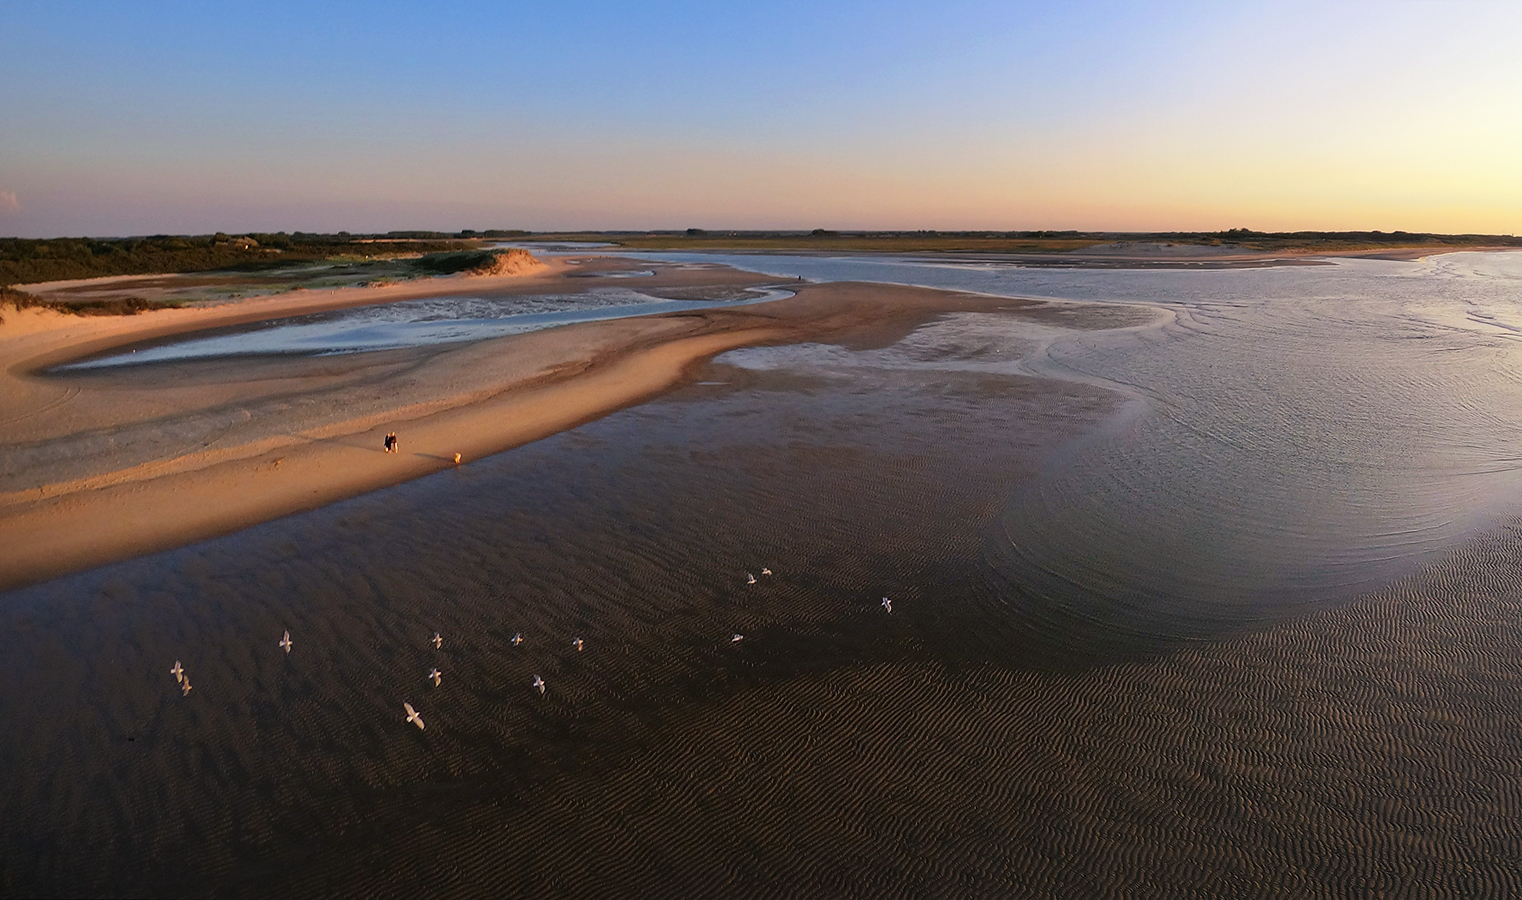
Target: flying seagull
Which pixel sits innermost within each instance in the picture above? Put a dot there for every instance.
(178, 672)
(185, 686)
(766, 571)
(438, 642)
(736, 638)
(749, 578)
(436, 676)
(887, 604)
(539, 683)
(517, 639)
(578, 642)
(285, 642)
(412, 716)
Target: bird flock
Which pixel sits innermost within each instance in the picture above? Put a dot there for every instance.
(182, 678)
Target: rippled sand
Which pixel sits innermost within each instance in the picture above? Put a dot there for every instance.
(950, 748)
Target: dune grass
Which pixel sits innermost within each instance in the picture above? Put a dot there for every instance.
(119, 306)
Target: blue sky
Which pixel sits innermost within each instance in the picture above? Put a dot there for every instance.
(192, 117)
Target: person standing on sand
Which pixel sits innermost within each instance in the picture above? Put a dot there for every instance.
(391, 442)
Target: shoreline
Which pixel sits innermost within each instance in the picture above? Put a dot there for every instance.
(172, 455)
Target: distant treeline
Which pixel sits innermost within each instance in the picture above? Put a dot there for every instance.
(26, 261)
(1231, 235)
(468, 233)
(1042, 241)
(1283, 240)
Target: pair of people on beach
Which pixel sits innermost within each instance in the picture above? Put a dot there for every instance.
(391, 442)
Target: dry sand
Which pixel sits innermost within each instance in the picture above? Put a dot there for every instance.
(102, 467)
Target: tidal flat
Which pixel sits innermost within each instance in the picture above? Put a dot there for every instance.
(1203, 583)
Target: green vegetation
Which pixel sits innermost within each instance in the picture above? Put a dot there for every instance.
(495, 234)
(24, 261)
(1274, 241)
(124, 306)
(451, 263)
(357, 266)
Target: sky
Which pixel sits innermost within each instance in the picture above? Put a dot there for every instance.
(177, 117)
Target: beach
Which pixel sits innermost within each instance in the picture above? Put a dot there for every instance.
(634, 535)
(112, 465)
(1201, 584)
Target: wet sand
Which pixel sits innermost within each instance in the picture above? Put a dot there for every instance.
(110, 465)
(837, 750)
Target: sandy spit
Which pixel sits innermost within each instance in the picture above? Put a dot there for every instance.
(102, 468)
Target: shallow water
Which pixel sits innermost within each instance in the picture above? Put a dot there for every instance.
(1300, 433)
(1226, 605)
(408, 323)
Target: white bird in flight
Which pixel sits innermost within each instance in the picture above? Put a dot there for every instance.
(185, 686)
(736, 638)
(438, 642)
(517, 639)
(749, 578)
(412, 716)
(887, 604)
(766, 571)
(285, 642)
(577, 643)
(539, 683)
(436, 676)
(178, 672)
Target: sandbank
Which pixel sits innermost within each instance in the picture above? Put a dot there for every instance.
(105, 466)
